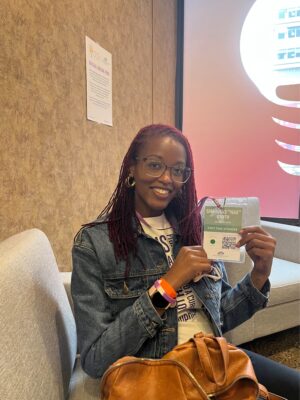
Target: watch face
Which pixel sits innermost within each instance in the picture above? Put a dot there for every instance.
(158, 301)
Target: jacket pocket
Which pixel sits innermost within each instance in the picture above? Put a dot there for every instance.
(122, 293)
(120, 289)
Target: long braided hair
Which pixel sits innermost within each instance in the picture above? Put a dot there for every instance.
(119, 213)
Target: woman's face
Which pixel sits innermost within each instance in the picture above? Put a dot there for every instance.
(153, 194)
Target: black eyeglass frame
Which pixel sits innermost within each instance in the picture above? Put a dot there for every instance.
(186, 170)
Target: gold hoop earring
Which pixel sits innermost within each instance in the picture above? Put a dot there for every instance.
(129, 181)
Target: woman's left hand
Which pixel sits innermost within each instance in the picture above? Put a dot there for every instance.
(260, 246)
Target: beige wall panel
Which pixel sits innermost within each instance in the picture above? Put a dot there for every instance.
(58, 169)
(164, 50)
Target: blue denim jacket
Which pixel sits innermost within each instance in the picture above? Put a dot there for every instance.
(115, 318)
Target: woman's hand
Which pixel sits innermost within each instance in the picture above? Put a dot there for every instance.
(190, 262)
(260, 246)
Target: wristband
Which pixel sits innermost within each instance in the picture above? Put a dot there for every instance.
(164, 294)
(168, 288)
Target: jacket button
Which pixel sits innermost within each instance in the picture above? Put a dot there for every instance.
(125, 288)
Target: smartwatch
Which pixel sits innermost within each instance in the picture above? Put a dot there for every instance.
(157, 299)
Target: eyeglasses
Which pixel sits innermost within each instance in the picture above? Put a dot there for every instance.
(153, 166)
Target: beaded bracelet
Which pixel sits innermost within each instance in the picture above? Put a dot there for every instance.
(164, 294)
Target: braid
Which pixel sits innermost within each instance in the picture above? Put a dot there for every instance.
(120, 209)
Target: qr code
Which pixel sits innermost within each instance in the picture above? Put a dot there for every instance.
(228, 242)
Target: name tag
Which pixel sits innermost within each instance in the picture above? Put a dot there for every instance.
(221, 233)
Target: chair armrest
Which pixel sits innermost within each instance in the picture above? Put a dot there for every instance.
(288, 240)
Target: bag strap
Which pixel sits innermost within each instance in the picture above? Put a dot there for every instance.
(273, 396)
(205, 358)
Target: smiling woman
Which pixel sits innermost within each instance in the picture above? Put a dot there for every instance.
(134, 268)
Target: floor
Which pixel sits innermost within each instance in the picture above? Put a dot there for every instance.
(282, 347)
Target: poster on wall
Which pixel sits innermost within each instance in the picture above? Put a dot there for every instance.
(98, 83)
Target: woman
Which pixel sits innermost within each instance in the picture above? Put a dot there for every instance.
(127, 299)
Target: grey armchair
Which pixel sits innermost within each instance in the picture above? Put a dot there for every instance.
(283, 310)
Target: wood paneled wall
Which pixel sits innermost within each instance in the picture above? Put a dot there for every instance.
(57, 169)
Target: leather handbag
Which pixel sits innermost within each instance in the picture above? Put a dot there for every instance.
(205, 367)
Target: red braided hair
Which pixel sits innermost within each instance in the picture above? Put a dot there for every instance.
(120, 210)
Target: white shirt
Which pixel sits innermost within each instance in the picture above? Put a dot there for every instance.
(191, 317)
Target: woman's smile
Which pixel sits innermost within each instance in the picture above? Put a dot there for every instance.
(161, 192)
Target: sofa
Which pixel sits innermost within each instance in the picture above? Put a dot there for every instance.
(37, 330)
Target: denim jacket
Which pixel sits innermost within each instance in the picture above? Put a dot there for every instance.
(115, 317)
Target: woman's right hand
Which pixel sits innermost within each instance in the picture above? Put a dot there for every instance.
(190, 262)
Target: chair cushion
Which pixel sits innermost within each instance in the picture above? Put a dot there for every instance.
(82, 387)
(285, 282)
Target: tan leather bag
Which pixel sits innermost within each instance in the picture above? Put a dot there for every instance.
(205, 367)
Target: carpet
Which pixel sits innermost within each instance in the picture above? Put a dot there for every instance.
(283, 347)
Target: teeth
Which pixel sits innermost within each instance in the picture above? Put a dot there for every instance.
(162, 191)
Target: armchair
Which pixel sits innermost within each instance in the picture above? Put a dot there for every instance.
(37, 327)
(283, 310)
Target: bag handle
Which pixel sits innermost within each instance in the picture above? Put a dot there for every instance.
(205, 359)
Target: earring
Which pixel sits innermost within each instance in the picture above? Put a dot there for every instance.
(129, 181)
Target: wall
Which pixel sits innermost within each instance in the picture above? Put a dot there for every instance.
(58, 169)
